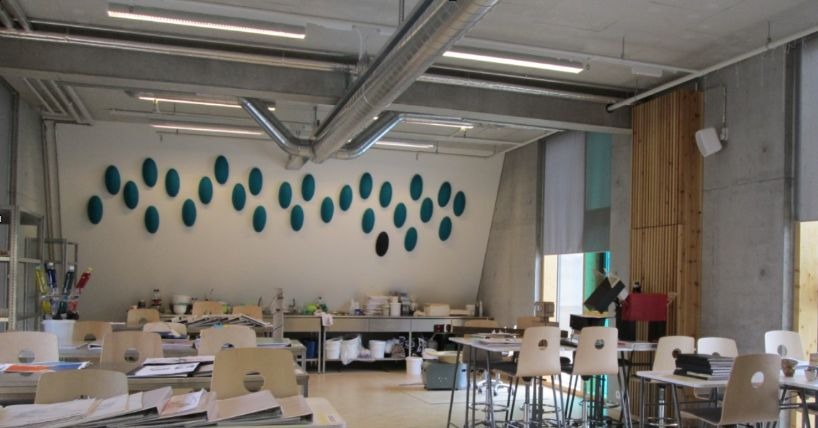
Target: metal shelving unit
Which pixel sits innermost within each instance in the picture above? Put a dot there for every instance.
(21, 243)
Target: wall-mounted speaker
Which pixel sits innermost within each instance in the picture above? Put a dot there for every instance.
(707, 140)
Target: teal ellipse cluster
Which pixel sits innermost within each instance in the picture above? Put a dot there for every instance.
(94, 209)
(399, 217)
(385, 195)
(130, 194)
(152, 219)
(221, 170)
(444, 194)
(327, 209)
(365, 186)
(308, 187)
(345, 198)
(172, 183)
(297, 218)
(410, 241)
(205, 190)
(445, 230)
(285, 195)
(239, 197)
(368, 220)
(416, 187)
(459, 204)
(189, 213)
(112, 180)
(255, 181)
(259, 218)
(426, 210)
(150, 172)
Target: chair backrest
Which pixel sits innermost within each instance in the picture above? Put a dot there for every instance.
(90, 331)
(252, 311)
(526, 322)
(214, 339)
(668, 348)
(206, 307)
(717, 346)
(165, 327)
(28, 346)
(481, 323)
(597, 352)
(274, 365)
(141, 316)
(539, 352)
(130, 347)
(784, 343)
(70, 385)
(745, 399)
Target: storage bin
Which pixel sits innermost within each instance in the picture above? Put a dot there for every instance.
(332, 348)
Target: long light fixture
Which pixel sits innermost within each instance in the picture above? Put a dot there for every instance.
(564, 67)
(404, 145)
(197, 128)
(209, 103)
(185, 19)
(443, 123)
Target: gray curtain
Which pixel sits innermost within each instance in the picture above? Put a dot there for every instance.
(564, 193)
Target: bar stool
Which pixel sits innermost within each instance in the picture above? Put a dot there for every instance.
(665, 360)
(596, 356)
(539, 356)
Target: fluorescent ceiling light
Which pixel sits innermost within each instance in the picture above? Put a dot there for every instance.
(564, 67)
(193, 102)
(447, 124)
(197, 128)
(185, 19)
(404, 145)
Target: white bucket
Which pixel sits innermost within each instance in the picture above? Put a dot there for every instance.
(413, 365)
(64, 329)
(377, 348)
(332, 349)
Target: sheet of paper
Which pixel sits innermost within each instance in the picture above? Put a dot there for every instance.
(183, 404)
(52, 414)
(166, 370)
(180, 360)
(243, 405)
(294, 407)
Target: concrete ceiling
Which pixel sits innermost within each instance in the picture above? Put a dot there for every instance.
(610, 37)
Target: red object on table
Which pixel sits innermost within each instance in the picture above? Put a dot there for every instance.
(645, 307)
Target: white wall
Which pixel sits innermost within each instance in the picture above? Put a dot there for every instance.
(336, 260)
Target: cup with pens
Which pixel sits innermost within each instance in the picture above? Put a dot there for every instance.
(60, 303)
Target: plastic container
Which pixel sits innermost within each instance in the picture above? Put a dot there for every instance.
(332, 348)
(64, 329)
(350, 348)
(413, 366)
(394, 309)
(377, 348)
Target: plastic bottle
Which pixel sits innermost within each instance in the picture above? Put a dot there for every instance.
(66, 289)
(83, 281)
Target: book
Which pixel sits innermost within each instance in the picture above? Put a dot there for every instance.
(179, 360)
(259, 406)
(165, 370)
(43, 367)
(46, 415)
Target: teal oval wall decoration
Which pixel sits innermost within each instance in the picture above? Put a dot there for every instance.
(345, 198)
(221, 169)
(150, 173)
(416, 187)
(285, 195)
(444, 194)
(368, 220)
(189, 213)
(130, 193)
(239, 197)
(382, 244)
(94, 209)
(365, 186)
(152, 219)
(205, 190)
(327, 209)
(426, 209)
(255, 182)
(411, 239)
(400, 215)
(459, 204)
(308, 187)
(445, 230)
(259, 218)
(112, 180)
(172, 183)
(385, 195)
(297, 218)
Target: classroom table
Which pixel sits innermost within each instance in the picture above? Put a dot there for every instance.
(19, 387)
(667, 377)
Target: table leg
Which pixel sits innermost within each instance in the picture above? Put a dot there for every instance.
(641, 402)
(454, 385)
(489, 391)
(675, 395)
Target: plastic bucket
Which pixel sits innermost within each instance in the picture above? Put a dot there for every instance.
(64, 329)
(332, 349)
(413, 366)
(377, 348)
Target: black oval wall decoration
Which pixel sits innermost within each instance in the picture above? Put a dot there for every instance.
(382, 244)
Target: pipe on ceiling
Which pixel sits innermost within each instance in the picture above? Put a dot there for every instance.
(432, 28)
(15, 9)
(282, 136)
(672, 84)
(366, 139)
(5, 19)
